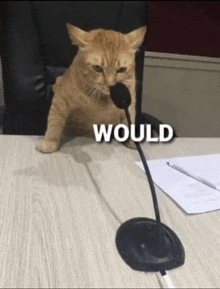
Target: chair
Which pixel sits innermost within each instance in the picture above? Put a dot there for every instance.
(36, 49)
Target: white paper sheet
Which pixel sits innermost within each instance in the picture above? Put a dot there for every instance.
(192, 195)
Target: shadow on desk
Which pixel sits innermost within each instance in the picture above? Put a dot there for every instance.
(84, 158)
(74, 151)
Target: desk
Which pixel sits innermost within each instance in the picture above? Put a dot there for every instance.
(59, 214)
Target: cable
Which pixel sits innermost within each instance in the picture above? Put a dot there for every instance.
(165, 280)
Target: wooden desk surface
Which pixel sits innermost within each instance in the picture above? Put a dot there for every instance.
(59, 214)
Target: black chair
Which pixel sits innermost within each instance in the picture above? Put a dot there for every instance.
(36, 49)
(1, 114)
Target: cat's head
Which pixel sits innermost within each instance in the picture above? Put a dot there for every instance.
(107, 57)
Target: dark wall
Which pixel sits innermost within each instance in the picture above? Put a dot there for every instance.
(184, 27)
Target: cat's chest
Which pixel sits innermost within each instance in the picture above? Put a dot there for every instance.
(87, 113)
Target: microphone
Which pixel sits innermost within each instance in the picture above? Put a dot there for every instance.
(120, 95)
(146, 244)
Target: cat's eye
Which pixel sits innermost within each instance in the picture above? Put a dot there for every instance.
(97, 68)
(121, 69)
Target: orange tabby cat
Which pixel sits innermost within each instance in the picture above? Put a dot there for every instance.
(82, 95)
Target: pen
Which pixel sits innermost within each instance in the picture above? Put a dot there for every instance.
(204, 182)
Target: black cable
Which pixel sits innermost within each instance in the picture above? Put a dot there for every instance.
(149, 178)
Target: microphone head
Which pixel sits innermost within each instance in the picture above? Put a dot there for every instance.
(120, 95)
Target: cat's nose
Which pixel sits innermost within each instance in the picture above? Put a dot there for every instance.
(110, 81)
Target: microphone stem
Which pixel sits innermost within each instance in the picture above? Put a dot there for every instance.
(150, 180)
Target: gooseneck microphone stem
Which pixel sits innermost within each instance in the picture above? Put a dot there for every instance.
(146, 244)
(149, 178)
(156, 208)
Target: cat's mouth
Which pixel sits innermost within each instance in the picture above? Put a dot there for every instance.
(99, 94)
(104, 91)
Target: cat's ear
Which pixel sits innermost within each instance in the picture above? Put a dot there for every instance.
(78, 36)
(136, 37)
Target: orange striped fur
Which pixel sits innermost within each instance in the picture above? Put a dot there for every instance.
(81, 94)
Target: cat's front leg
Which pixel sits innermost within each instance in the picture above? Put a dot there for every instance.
(57, 118)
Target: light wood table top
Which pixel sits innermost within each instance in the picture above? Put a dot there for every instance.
(59, 214)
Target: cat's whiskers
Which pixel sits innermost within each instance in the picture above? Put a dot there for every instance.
(130, 82)
(88, 90)
(95, 93)
(99, 96)
(133, 81)
(92, 91)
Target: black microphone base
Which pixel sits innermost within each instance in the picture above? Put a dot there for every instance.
(143, 248)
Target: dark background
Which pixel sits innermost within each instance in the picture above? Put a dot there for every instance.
(184, 27)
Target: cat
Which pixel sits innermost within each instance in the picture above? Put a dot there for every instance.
(82, 94)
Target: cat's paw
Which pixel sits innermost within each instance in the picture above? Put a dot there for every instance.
(130, 144)
(48, 147)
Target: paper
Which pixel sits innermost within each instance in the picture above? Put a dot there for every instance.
(192, 195)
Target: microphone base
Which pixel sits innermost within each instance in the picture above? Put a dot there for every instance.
(146, 245)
